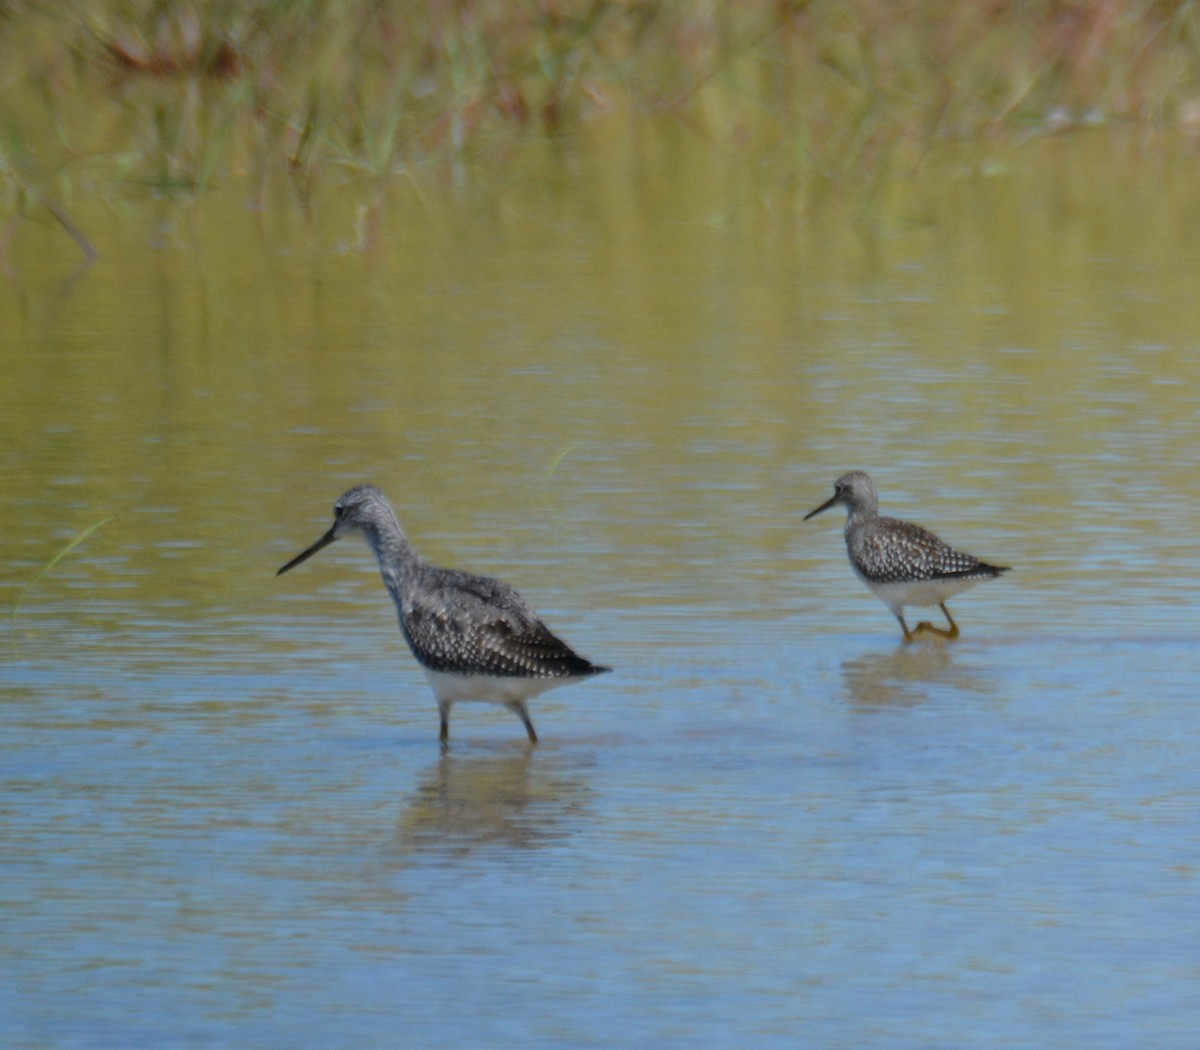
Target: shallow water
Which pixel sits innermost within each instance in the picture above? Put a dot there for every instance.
(617, 377)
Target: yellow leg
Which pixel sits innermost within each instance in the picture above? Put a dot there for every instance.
(953, 632)
(518, 708)
(941, 632)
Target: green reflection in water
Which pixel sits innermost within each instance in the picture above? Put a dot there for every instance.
(639, 347)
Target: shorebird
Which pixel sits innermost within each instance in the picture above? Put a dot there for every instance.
(475, 637)
(902, 563)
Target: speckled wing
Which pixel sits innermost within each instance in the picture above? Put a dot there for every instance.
(459, 623)
(895, 551)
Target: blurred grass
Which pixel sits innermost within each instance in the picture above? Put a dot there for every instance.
(45, 569)
(174, 95)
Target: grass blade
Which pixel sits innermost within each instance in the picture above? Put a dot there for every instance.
(12, 622)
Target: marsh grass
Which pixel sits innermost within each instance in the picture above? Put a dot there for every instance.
(175, 95)
(45, 570)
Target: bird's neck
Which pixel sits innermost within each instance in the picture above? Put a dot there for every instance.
(859, 517)
(397, 558)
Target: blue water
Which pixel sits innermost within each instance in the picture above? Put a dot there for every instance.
(224, 816)
(830, 840)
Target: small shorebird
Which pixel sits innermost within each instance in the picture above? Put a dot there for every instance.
(902, 563)
(475, 637)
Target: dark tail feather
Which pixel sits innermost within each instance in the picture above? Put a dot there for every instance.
(577, 665)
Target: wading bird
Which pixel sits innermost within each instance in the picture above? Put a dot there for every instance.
(902, 563)
(475, 637)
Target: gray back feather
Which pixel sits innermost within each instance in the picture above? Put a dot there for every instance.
(458, 622)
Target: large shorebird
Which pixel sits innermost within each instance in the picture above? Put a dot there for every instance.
(475, 637)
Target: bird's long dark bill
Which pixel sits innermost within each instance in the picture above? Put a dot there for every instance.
(324, 541)
(824, 506)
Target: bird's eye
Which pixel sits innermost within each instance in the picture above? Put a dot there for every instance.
(338, 510)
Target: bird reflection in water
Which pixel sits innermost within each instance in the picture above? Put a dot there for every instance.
(902, 677)
(469, 802)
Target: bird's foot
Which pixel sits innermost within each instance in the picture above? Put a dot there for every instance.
(925, 627)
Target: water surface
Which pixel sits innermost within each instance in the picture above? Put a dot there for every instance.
(616, 373)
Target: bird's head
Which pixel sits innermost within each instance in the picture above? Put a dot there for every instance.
(854, 491)
(356, 510)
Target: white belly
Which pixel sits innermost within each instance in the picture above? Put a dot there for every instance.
(922, 592)
(457, 688)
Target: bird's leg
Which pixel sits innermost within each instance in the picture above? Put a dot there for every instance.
(953, 632)
(518, 708)
(941, 632)
(908, 636)
(444, 719)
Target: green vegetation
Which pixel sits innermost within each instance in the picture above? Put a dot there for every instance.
(176, 94)
(12, 621)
